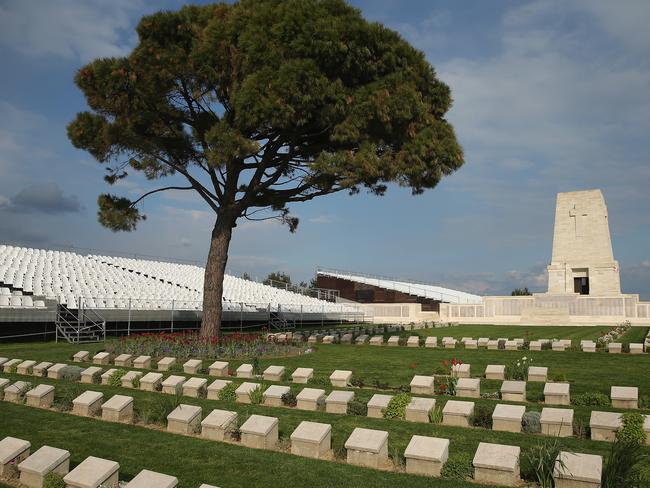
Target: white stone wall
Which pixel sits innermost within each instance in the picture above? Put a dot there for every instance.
(546, 309)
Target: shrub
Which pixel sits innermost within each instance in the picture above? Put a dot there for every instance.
(625, 348)
(492, 395)
(256, 395)
(380, 385)
(357, 382)
(53, 480)
(13, 369)
(115, 379)
(644, 401)
(435, 415)
(289, 399)
(590, 400)
(356, 407)
(396, 408)
(581, 429)
(501, 344)
(547, 346)
(235, 434)
(531, 422)
(458, 467)
(319, 381)
(63, 398)
(227, 393)
(535, 396)
(632, 431)
(135, 382)
(143, 414)
(256, 366)
(482, 417)
(621, 469)
(164, 405)
(71, 373)
(539, 463)
(560, 376)
(517, 370)
(440, 370)
(447, 386)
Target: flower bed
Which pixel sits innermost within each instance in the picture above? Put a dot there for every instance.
(613, 334)
(185, 345)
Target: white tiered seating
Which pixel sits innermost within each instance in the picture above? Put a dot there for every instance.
(109, 282)
(412, 288)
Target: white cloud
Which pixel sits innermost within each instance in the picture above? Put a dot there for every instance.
(69, 29)
(321, 219)
(193, 215)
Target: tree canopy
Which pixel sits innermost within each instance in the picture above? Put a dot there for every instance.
(258, 105)
(278, 277)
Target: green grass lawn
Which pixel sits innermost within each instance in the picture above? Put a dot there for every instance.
(194, 460)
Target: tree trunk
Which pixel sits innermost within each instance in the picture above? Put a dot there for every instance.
(214, 274)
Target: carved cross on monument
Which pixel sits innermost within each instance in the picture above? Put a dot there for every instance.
(578, 221)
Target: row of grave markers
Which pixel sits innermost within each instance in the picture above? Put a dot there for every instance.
(17, 461)
(554, 421)
(493, 463)
(482, 342)
(555, 393)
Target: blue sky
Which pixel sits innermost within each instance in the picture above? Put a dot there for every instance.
(550, 96)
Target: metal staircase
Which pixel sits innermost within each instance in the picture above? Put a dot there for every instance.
(78, 326)
(278, 322)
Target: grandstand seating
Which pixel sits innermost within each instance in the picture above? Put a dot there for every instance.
(30, 276)
(419, 289)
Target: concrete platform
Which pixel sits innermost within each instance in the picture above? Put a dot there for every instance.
(426, 456)
(312, 439)
(13, 451)
(185, 419)
(302, 375)
(418, 409)
(93, 472)
(260, 432)
(337, 401)
(46, 460)
(151, 479)
(217, 424)
(576, 470)
(367, 447)
(507, 418)
(557, 422)
(309, 398)
(497, 464)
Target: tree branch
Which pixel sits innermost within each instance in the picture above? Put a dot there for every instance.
(159, 190)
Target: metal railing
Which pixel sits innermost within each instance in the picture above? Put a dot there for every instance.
(325, 294)
(78, 326)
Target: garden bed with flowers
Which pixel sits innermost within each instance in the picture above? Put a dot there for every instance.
(186, 345)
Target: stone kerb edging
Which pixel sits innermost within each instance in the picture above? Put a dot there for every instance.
(493, 463)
